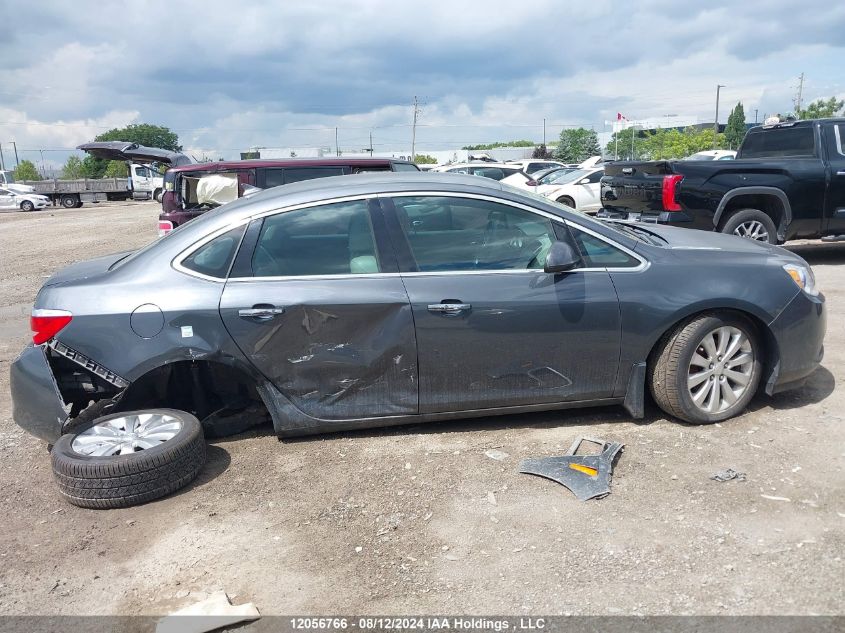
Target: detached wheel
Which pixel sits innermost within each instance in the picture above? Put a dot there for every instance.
(752, 224)
(26, 205)
(707, 369)
(128, 458)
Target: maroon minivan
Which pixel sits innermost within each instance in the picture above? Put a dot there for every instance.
(191, 190)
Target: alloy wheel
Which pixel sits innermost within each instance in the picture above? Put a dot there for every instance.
(126, 434)
(720, 369)
(753, 230)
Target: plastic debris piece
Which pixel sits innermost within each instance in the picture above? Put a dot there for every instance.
(587, 476)
(727, 475)
(207, 615)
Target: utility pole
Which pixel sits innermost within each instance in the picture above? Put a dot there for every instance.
(2, 164)
(716, 122)
(800, 95)
(43, 169)
(16, 153)
(755, 116)
(371, 144)
(336, 146)
(544, 132)
(414, 129)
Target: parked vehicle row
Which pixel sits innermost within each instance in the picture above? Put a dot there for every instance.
(384, 299)
(787, 182)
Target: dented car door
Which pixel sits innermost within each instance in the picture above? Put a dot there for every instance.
(493, 329)
(311, 301)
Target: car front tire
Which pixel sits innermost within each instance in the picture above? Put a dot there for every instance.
(26, 205)
(707, 369)
(128, 458)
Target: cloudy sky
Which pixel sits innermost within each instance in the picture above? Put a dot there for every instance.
(229, 76)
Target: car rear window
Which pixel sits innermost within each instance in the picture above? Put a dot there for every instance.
(405, 167)
(214, 258)
(779, 142)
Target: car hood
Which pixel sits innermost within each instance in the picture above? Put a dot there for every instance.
(132, 152)
(86, 269)
(677, 238)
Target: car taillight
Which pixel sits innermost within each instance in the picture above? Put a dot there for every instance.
(670, 185)
(164, 227)
(45, 324)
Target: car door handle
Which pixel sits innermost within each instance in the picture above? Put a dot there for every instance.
(260, 313)
(449, 308)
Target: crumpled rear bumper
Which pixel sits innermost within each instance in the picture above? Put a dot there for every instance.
(37, 405)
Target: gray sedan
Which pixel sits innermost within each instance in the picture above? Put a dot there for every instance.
(346, 303)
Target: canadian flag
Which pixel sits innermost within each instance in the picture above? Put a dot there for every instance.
(621, 117)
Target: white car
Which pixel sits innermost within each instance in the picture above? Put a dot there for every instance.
(713, 154)
(579, 189)
(521, 180)
(22, 201)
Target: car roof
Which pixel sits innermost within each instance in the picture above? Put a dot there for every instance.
(288, 162)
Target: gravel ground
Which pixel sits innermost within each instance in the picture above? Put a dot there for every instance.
(418, 519)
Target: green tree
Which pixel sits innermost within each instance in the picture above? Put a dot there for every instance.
(73, 168)
(26, 171)
(542, 152)
(735, 129)
(522, 143)
(116, 169)
(425, 159)
(141, 133)
(821, 109)
(577, 145)
(662, 144)
(623, 147)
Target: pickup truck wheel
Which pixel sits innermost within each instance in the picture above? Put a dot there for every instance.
(128, 458)
(707, 369)
(752, 224)
(26, 205)
(69, 202)
(569, 202)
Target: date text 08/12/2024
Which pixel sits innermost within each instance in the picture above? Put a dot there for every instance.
(417, 623)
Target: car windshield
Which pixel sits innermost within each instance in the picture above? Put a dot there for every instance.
(547, 176)
(569, 176)
(10, 178)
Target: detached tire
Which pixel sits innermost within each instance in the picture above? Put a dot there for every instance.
(752, 224)
(128, 458)
(707, 369)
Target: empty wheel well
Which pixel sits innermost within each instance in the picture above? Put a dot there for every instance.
(768, 204)
(202, 388)
(771, 354)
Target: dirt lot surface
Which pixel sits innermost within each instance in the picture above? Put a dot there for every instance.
(418, 519)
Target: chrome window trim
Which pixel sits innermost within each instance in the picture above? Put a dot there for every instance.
(836, 133)
(177, 261)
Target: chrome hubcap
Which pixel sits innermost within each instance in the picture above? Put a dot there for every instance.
(753, 230)
(126, 434)
(720, 369)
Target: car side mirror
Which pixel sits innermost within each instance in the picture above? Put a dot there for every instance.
(561, 258)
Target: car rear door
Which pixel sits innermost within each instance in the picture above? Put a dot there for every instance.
(589, 193)
(493, 329)
(315, 301)
(835, 197)
(7, 199)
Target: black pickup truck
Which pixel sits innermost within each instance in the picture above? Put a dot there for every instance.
(787, 182)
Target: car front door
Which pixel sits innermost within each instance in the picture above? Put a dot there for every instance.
(589, 198)
(493, 329)
(7, 199)
(835, 197)
(315, 301)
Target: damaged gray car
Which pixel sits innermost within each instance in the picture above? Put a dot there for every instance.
(382, 299)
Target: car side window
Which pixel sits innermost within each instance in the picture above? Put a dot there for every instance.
(600, 254)
(215, 257)
(596, 177)
(331, 239)
(466, 234)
